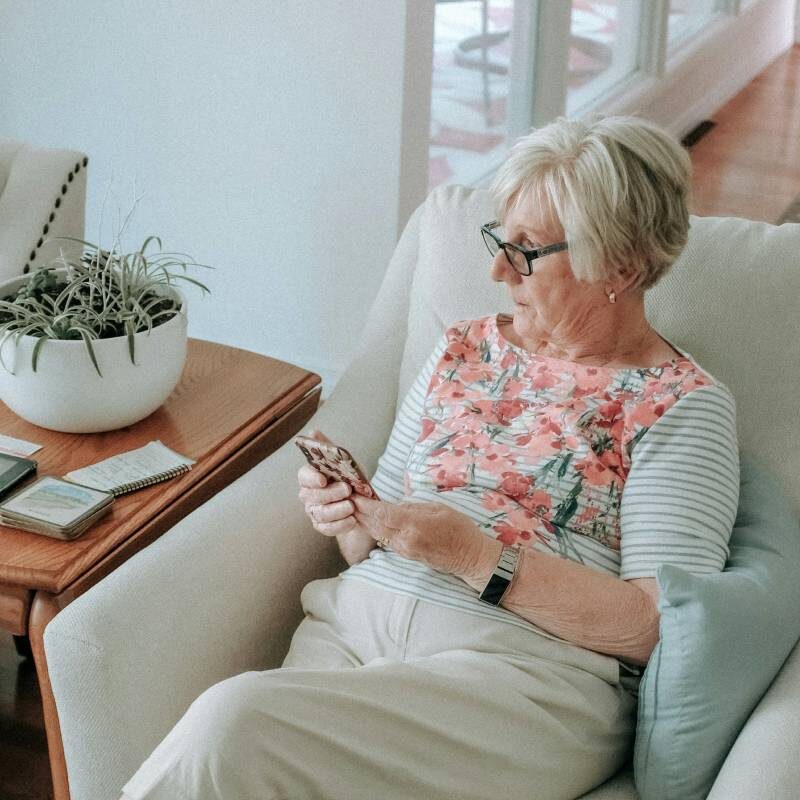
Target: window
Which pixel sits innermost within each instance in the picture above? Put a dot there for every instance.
(687, 17)
(500, 67)
(603, 44)
(470, 89)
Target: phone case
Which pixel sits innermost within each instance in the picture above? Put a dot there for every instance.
(336, 463)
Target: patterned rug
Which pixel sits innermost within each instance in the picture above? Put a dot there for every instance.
(792, 213)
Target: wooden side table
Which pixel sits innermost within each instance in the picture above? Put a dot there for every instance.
(231, 409)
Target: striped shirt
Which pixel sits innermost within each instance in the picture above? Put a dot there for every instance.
(619, 469)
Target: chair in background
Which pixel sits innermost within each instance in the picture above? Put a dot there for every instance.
(42, 195)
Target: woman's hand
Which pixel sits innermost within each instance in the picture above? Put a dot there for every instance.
(432, 533)
(326, 505)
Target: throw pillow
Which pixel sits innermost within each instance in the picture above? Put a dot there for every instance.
(723, 639)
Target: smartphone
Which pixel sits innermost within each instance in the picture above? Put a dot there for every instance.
(336, 463)
(14, 470)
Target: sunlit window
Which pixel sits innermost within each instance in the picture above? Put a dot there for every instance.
(469, 99)
(603, 43)
(687, 17)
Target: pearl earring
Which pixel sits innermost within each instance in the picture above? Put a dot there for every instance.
(612, 296)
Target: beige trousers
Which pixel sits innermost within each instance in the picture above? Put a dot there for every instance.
(386, 697)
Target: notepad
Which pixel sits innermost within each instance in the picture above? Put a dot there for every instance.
(126, 472)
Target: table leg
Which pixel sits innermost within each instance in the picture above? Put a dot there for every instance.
(43, 609)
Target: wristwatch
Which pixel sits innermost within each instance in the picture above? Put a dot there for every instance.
(501, 577)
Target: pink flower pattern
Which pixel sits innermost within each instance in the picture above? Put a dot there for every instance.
(542, 444)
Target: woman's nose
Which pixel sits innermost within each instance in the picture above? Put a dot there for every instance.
(501, 269)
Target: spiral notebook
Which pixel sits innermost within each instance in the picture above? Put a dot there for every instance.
(133, 470)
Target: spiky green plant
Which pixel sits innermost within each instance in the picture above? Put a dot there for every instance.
(104, 294)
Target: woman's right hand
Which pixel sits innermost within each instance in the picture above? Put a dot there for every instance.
(326, 504)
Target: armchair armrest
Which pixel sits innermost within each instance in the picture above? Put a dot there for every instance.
(219, 593)
(763, 762)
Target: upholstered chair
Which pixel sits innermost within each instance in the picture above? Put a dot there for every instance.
(218, 594)
(42, 195)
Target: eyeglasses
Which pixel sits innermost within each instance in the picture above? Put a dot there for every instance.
(519, 258)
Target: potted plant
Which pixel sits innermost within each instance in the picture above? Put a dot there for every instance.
(95, 343)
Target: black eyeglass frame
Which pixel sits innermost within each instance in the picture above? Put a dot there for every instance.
(529, 255)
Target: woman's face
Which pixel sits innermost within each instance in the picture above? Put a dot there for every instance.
(549, 304)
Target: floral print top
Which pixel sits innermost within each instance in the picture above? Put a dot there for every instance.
(542, 444)
(622, 470)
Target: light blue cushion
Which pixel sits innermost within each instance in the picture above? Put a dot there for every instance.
(723, 639)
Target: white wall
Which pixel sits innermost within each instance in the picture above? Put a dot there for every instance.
(265, 134)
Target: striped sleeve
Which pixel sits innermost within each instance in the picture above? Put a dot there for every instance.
(680, 498)
(389, 477)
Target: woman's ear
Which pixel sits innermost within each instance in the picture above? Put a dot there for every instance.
(622, 283)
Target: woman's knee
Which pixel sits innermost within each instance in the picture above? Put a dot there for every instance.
(235, 734)
(218, 721)
(228, 700)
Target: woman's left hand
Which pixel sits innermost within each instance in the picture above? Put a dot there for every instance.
(432, 533)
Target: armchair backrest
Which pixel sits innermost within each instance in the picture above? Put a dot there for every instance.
(42, 195)
(732, 300)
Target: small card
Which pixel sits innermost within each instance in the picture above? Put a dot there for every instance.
(55, 502)
(17, 447)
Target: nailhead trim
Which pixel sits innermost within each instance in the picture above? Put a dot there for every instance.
(57, 204)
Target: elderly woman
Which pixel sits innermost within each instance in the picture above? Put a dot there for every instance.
(501, 600)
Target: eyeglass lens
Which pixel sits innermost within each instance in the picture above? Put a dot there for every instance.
(491, 242)
(515, 258)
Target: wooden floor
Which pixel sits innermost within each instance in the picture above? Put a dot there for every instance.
(24, 772)
(748, 165)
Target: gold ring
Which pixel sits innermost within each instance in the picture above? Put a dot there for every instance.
(382, 542)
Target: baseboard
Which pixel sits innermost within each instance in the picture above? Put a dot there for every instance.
(707, 105)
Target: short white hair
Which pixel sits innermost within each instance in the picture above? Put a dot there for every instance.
(618, 186)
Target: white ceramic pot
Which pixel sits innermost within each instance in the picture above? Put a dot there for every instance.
(66, 393)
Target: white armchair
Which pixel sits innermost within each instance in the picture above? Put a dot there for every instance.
(219, 593)
(42, 195)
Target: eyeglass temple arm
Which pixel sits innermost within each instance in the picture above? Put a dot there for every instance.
(552, 248)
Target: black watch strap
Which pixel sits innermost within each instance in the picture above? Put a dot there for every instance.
(501, 577)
